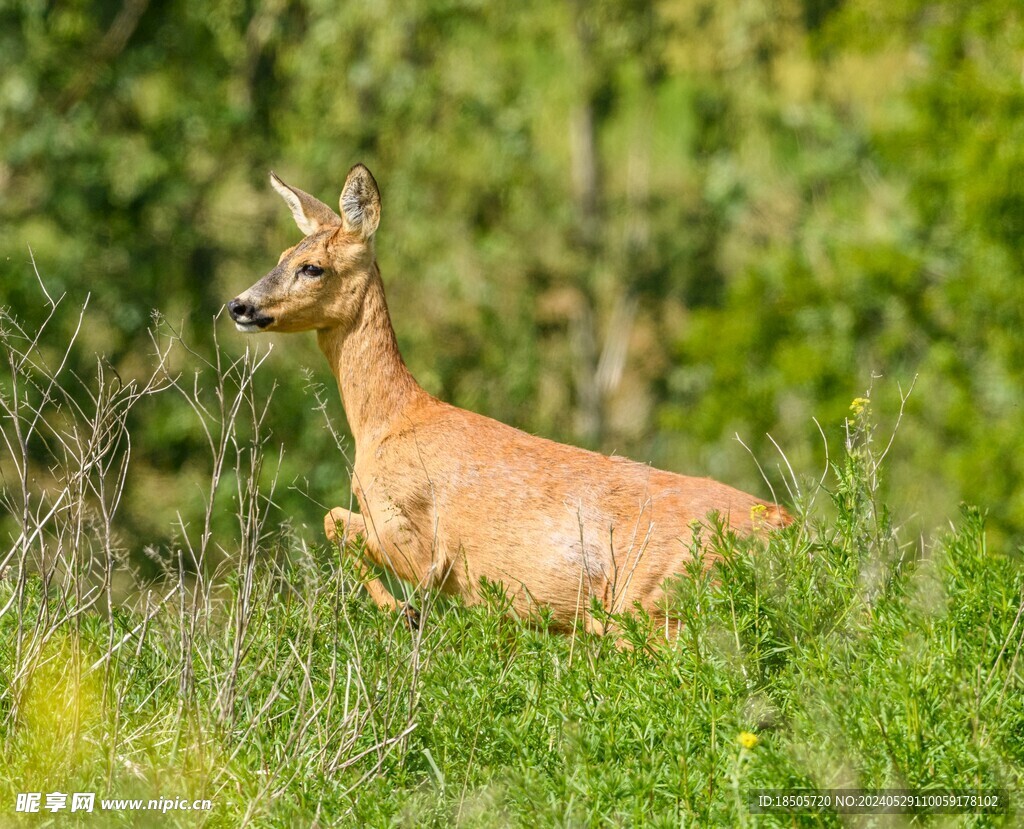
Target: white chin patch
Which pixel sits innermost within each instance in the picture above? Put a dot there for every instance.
(247, 327)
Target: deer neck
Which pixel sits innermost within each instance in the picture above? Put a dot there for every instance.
(375, 385)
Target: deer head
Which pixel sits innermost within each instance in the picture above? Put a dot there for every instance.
(320, 282)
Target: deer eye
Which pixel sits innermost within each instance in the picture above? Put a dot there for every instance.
(311, 270)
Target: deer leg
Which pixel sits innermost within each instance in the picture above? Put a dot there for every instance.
(341, 525)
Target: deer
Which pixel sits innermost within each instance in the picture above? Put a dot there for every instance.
(450, 499)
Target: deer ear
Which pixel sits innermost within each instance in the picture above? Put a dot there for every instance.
(310, 213)
(360, 202)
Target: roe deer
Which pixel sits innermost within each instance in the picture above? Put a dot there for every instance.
(448, 497)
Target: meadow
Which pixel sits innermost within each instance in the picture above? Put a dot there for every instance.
(254, 673)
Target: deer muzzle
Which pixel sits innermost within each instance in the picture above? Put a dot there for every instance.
(247, 317)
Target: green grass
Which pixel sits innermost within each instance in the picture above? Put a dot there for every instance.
(853, 663)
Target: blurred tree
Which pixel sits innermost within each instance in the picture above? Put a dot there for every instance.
(645, 226)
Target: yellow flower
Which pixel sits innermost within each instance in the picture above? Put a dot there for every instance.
(758, 511)
(859, 404)
(747, 739)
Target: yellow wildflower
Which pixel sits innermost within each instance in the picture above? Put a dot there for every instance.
(747, 739)
(859, 404)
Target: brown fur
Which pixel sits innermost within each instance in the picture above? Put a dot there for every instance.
(448, 497)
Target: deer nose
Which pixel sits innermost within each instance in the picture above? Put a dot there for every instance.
(239, 310)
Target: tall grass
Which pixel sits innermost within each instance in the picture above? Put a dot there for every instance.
(255, 673)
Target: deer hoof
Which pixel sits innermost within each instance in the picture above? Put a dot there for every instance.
(411, 616)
